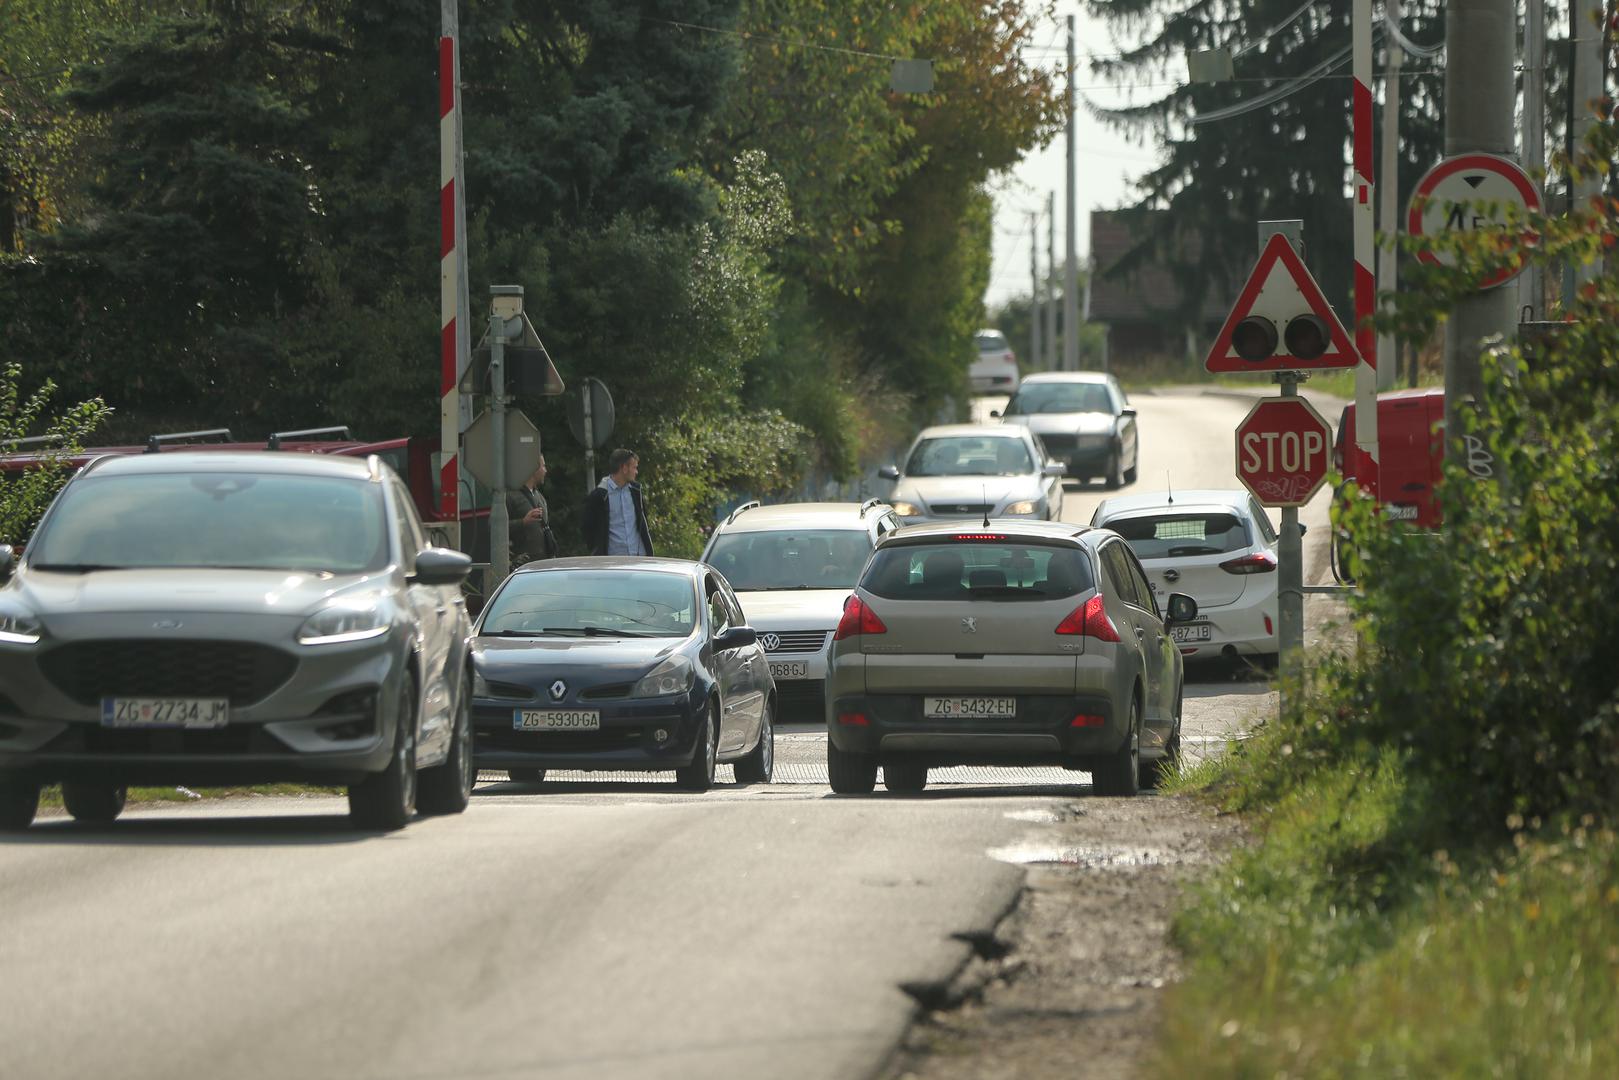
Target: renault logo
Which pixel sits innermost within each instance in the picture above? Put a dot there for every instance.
(969, 626)
(559, 690)
(771, 642)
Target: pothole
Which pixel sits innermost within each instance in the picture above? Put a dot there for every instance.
(1089, 858)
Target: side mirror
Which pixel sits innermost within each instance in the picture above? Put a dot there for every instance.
(441, 566)
(1055, 468)
(889, 472)
(994, 414)
(8, 559)
(1182, 608)
(1127, 411)
(737, 637)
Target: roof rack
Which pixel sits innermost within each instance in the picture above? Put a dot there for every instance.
(339, 432)
(38, 440)
(752, 504)
(154, 443)
(868, 504)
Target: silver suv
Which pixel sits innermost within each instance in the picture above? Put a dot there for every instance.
(792, 567)
(217, 618)
(1016, 643)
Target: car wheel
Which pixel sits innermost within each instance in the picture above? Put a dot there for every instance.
(1135, 467)
(1154, 773)
(447, 788)
(1114, 479)
(849, 773)
(94, 804)
(699, 775)
(1119, 772)
(384, 801)
(760, 763)
(904, 777)
(526, 776)
(19, 801)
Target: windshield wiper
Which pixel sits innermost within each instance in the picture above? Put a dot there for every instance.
(512, 633)
(593, 631)
(77, 567)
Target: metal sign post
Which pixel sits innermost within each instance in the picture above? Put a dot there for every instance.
(505, 317)
(590, 438)
(1290, 573)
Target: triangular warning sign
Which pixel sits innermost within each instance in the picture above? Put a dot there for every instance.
(1278, 291)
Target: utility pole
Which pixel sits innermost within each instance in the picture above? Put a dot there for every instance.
(1049, 361)
(505, 323)
(1388, 191)
(1070, 290)
(1588, 25)
(1034, 288)
(1480, 94)
(1531, 285)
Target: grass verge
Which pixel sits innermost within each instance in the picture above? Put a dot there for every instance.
(51, 796)
(1348, 943)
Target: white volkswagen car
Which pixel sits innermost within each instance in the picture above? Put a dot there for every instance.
(1219, 548)
(792, 566)
(966, 471)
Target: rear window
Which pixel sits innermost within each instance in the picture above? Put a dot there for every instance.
(1172, 536)
(791, 559)
(991, 343)
(977, 570)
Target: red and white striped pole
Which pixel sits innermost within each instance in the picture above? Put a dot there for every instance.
(1365, 244)
(451, 286)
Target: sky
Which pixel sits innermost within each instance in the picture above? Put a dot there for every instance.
(1107, 162)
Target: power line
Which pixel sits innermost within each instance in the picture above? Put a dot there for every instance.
(750, 35)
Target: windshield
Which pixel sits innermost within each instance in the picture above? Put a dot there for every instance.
(977, 570)
(1057, 397)
(216, 519)
(581, 603)
(762, 561)
(1182, 535)
(969, 455)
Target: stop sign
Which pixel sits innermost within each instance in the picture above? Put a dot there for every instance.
(1284, 448)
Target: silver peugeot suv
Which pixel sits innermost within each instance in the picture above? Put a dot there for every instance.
(216, 618)
(1010, 643)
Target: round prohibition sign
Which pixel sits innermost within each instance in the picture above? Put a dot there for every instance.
(1439, 205)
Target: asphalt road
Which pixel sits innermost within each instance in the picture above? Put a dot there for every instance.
(592, 927)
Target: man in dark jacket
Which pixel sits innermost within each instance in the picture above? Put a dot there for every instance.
(615, 517)
(530, 518)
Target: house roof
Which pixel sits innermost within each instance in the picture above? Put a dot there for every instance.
(1149, 292)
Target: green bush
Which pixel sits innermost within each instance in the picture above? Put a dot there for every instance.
(25, 495)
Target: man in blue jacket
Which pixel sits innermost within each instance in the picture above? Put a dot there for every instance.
(614, 516)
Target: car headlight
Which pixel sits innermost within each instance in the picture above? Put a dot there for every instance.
(905, 509)
(17, 628)
(344, 620)
(1027, 506)
(674, 676)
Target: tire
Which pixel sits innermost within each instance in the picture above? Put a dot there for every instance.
(850, 774)
(1114, 479)
(385, 801)
(92, 803)
(447, 788)
(1154, 773)
(1120, 772)
(1134, 469)
(699, 775)
(759, 765)
(19, 802)
(526, 776)
(905, 777)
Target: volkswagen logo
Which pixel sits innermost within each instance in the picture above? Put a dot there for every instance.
(969, 626)
(559, 690)
(771, 642)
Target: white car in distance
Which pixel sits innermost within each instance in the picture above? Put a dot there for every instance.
(792, 566)
(995, 369)
(1219, 548)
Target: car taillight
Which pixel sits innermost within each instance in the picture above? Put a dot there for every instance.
(1090, 620)
(858, 619)
(1259, 562)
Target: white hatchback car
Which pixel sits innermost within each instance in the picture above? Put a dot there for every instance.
(1219, 548)
(994, 371)
(792, 566)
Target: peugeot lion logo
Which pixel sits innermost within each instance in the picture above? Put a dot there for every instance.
(559, 690)
(969, 626)
(771, 642)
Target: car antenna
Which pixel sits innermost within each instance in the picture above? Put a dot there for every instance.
(1171, 485)
(983, 493)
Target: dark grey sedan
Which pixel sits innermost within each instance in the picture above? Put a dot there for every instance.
(223, 618)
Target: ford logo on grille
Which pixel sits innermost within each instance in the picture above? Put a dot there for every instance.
(559, 690)
(771, 642)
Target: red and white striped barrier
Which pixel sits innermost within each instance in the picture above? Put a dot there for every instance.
(1365, 244)
(449, 507)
